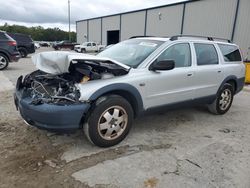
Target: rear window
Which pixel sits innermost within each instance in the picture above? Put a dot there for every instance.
(230, 52)
(2, 36)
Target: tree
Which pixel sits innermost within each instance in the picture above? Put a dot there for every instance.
(38, 33)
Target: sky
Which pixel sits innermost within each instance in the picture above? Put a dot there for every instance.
(54, 13)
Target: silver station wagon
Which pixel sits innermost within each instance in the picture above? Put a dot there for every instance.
(102, 94)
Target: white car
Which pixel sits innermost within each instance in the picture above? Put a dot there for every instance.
(102, 94)
(88, 47)
(37, 45)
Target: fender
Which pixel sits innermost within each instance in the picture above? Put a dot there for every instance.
(239, 83)
(6, 53)
(121, 87)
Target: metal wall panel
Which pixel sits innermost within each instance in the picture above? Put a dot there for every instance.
(210, 18)
(81, 32)
(132, 24)
(109, 24)
(95, 30)
(164, 21)
(242, 30)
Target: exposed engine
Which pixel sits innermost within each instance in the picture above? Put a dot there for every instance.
(60, 89)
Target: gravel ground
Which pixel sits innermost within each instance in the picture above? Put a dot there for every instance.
(181, 148)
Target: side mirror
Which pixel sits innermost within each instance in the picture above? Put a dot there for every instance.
(162, 65)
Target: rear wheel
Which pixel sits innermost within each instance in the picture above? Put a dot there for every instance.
(223, 100)
(110, 121)
(23, 52)
(4, 62)
(83, 50)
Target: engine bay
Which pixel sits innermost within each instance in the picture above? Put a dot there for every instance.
(60, 89)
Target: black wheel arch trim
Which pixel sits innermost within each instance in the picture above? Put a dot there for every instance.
(239, 83)
(5, 53)
(121, 88)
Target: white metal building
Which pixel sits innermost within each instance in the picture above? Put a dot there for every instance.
(228, 19)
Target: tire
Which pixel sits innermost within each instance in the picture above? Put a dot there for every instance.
(23, 52)
(107, 112)
(223, 100)
(4, 62)
(83, 50)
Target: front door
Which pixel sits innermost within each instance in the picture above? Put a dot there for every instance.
(171, 86)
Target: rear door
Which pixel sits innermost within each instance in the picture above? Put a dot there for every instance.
(171, 86)
(208, 71)
(89, 47)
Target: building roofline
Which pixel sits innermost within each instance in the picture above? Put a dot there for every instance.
(139, 10)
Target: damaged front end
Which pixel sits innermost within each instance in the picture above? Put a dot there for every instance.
(52, 89)
(49, 98)
(59, 86)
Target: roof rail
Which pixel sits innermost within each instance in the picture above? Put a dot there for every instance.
(197, 36)
(139, 36)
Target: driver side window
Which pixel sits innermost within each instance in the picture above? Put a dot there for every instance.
(180, 53)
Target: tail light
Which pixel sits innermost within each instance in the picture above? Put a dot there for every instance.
(12, 43)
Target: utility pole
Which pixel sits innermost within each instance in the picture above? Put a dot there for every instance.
(69, 18)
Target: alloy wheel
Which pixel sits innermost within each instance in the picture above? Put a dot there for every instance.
(3, 62)
(225, 99)
(112, 122)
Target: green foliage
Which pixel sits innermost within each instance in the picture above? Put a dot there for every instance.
(39, 33)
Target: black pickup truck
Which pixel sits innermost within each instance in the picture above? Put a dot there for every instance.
(64, 44)
(25, 43)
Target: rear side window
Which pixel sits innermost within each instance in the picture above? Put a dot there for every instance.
(20, 37)
(206, 54)
(230, 52)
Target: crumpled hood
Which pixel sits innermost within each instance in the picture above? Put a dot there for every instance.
(58, 62)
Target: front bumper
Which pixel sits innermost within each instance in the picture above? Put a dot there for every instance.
(59, 118)
(77, 50)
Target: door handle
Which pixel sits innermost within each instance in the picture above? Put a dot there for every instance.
(219, 71)
(190, 74)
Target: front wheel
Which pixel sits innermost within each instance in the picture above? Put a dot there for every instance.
(223, 100)
(109, 121)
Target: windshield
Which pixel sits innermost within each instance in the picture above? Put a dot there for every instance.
(131, 52)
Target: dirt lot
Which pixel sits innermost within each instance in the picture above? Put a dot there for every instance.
(182, 148)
